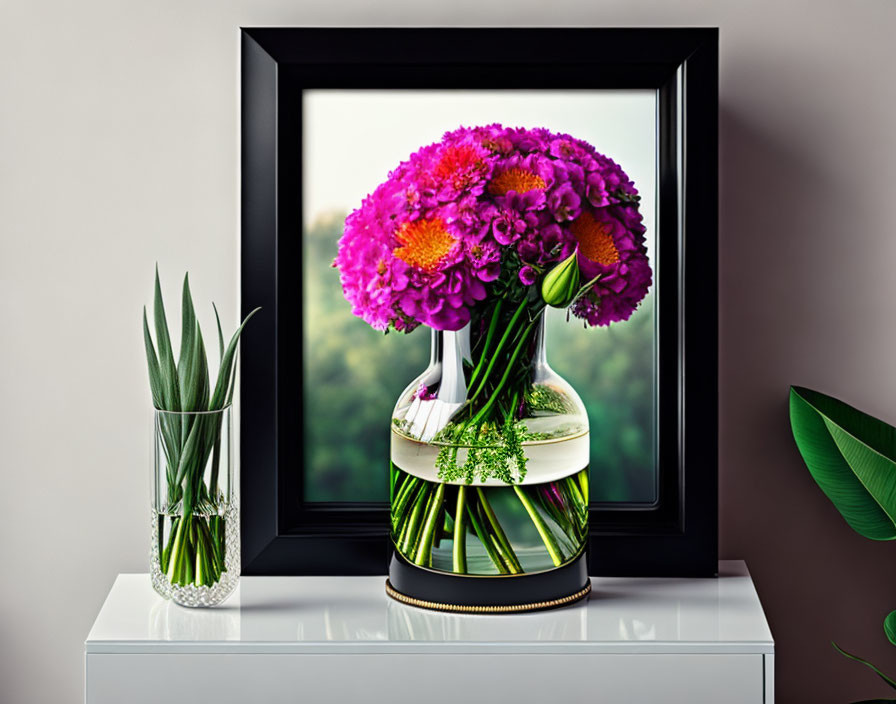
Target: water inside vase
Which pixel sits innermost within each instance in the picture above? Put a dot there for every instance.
(195, 562)
(505, 529)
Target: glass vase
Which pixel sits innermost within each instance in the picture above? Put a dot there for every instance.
(195, 548)
(489, 473)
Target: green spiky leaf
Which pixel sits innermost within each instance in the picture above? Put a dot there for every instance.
(193, 365)
(155, 373)
(225, 378)
(188, 324)
(170, 391)
(220, 334)
(232, 383)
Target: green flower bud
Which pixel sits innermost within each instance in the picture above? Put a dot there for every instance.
(561, 284)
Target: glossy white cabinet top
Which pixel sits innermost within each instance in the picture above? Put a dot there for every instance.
(354, 615)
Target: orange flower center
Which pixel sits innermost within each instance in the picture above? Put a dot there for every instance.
(458, 165)
(515, 179)
(595, 240)
(425, 243)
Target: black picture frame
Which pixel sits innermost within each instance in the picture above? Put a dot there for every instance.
(280, 535)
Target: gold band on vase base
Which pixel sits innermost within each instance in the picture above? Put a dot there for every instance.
(485, 609)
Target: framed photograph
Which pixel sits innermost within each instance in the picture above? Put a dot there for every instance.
(327, 114)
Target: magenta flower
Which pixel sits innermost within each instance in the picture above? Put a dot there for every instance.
(564, 203)
(428, 244)
(528, 275)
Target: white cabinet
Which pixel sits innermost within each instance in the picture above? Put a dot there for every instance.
(340, 639)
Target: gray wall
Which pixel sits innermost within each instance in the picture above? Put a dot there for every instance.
(118, 136)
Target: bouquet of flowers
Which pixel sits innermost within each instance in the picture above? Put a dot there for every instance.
(487, 214)
(502, 222)
(479, 233)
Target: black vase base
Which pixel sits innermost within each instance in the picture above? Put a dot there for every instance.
(504, 594)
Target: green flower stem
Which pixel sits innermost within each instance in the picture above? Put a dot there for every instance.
(201, 568)
(401, 534)
(578, 501)
(460, 532)
(542, 528)
(413, 551)
(195, 553)
(404, 496)
(178, 547)
(497, 391)
(189, 562)
(165, 556)
(201, 564)
(514, 402)
(493, 325)
(506, 558)
(489, 421)
(439, 527)
(424, 549)
(218, 535)
(398, 518)
(393, 478)
(559, 517)
(409, 538)
(494, 358)
(575, 494)
(216, 459)
(185, 564)
(583, 484)
(205, 547)
(572, 525)
(204, 556)
(448, 524)
(218, 567)
(486, 543)
(503, 543)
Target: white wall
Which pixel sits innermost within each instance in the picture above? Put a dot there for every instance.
(119, 148)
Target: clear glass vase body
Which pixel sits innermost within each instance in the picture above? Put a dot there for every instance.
(195, 544)
(489, 450)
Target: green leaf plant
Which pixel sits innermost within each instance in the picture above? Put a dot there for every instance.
(194, 551)
(852, 458)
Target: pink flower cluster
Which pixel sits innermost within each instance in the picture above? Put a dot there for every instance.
(429, 243)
